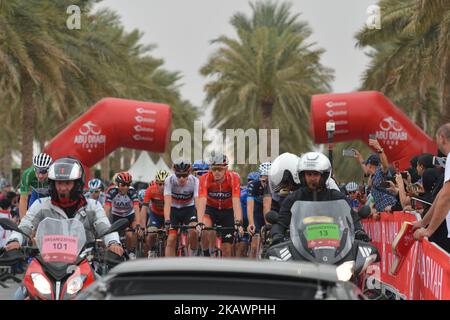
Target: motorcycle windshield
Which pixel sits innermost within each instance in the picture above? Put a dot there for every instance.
(322, 231)
(60, 241)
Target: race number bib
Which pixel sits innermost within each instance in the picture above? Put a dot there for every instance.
(57, 248)
(322, 235)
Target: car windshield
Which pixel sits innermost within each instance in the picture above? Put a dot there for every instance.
(322, 231)
(60, 241)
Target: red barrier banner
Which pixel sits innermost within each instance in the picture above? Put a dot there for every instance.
(425, 274)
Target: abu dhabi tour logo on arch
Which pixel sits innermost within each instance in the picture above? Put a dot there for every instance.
(90, 136)
(232, 142)
(391, 132)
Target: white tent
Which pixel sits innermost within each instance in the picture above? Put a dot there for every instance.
(144, 169)
(161, 165)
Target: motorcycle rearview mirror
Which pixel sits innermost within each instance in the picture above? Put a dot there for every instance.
(364, 212)
(118, 225)
(272, 217)
(8, 224)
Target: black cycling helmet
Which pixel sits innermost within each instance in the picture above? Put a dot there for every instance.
(182, 166)
(66, 169)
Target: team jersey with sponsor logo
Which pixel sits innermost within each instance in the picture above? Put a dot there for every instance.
(122, 204)
(182, 196)
(154, 199)
(219, 195)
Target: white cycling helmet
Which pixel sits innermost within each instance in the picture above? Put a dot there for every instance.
(284, 171)
(42, 160)
(351, 186)
(315, 161)
(95, 184)
(264, 168)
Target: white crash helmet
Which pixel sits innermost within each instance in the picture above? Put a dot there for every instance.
(284, 171)
(315, 161)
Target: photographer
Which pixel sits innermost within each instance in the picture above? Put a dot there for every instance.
(376, 166)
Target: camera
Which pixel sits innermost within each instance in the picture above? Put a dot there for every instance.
(439, 161)
(404, 174)
(348, 153)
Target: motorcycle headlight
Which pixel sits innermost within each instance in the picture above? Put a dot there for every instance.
(75, 284)
(345, 271)
(41, 283)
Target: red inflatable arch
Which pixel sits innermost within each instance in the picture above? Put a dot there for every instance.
(110, 124)
(358, 114)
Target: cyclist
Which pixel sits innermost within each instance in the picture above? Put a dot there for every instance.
(153, 205)
(122, 202)
(199, 168)
(96, 191)
(219, 202)
(242, 245)
(34, 184)
(180, 201)
(257, 190)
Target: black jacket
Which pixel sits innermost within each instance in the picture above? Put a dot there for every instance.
(304, 194)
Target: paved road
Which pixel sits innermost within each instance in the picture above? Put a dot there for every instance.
(8, 293)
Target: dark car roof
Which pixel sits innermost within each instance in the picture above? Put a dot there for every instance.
(199, 264)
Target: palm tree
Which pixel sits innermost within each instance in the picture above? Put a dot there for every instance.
(266, 76)
(411, 57)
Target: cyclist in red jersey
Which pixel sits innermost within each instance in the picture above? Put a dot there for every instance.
(153, 205)
(219, 202)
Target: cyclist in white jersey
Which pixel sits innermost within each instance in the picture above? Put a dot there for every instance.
(180, 201)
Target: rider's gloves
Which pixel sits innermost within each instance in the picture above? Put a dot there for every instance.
(167, 224)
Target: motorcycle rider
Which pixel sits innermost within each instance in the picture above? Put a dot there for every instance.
(314, 173)
(66, 201)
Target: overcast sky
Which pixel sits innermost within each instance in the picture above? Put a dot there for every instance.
(182, 30)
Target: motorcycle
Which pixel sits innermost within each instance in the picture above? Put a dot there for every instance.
(59, 269)
(323, 232)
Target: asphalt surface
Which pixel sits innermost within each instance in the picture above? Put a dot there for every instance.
(8, 293)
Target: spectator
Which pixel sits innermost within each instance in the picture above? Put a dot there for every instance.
(439, 211)
(377, 165)
(425, 161)
(5, 187)
(413, 170)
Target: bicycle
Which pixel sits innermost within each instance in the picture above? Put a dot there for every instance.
(139, 251)
(218, 245)
(158, 250)
(182, 239)
(264, 242)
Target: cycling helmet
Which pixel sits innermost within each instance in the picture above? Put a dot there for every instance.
(264, 168)
(284, 172)
(351, 186)
(253, 176)
(66, 169)
(182, 166)
(218, 159)
(141, 194)
(124, 178)
(161, 175)
(42, 160)
(95, 184)
(200, 165)
(315, 161)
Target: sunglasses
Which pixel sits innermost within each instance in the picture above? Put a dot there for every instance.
(160, 184)
(218, 169)
(124, 184)
(351, 192)
(182, 175)
(200, 173)
(41, 171)
(94, 191)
